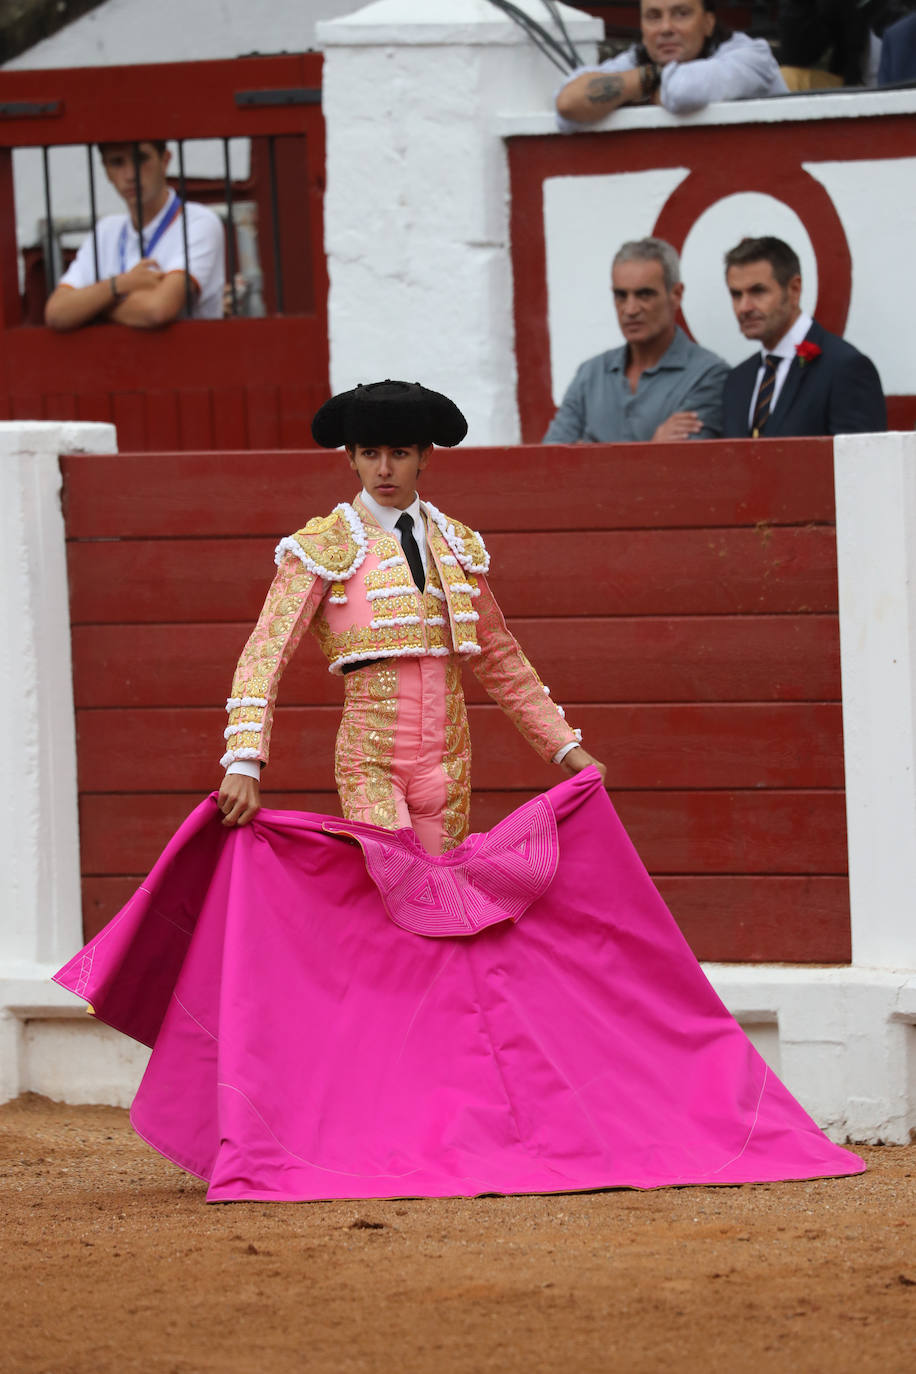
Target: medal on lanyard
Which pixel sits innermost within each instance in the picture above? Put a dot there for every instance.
(170, 214)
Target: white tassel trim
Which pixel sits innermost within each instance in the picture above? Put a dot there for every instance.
(388, 622)
(464, 587)
(561, 712)
(233, 703)
(469, 647)
(435, 620)
(546, 690)
(449, 560)
(578, 735)
(232, 754)
(253, 726)
(406, 590)
(465, 617)
(440, 652)
(395, 562)
(434, 591)
(456, 543)
(291, 545)
(337, 600)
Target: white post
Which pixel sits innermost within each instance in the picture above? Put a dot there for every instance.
(876, 553)
(39, 834)
(417, 209)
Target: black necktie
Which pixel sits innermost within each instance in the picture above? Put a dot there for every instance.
(411, 550)
(765, 394)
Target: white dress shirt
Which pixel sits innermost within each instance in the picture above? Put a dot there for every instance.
(785, 351)
(206, 253)
(387, 517)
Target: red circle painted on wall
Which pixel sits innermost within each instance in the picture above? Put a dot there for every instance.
(803, 194)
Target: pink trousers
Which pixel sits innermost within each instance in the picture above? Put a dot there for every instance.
(403, 754)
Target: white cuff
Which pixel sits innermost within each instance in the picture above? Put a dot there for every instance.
(249, 768)
(560, 755)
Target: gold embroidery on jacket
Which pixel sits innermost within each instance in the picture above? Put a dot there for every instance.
(364, 751)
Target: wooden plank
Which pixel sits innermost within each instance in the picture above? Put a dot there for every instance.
(128, 411)
(674, 832)
(262, 403)
(195, 418)
(180, 100)
(230, 423)
(60, 406)
(780, 745)
(27, 407)
(629, 486)
(740, 920)
(690, 658)
(163, 430)
(648, 572)
(94, 406)
(296, 411)
(103, 899)
(125, 833)
(762, 919)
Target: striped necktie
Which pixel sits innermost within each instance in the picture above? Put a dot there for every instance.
(765, 395)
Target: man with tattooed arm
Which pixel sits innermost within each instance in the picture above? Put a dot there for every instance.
(686, 60)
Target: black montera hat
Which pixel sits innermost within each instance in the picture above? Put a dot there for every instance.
(389, 413)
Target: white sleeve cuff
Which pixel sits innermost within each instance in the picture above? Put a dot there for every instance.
(560, 755)
(250, 768)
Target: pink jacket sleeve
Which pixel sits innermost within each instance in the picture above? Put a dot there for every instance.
(513, 684)
(292, 601)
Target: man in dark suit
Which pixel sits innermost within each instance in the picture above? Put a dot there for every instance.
(898, 52)
(803, 380)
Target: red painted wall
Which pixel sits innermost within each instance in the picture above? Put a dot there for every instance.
(679, 601)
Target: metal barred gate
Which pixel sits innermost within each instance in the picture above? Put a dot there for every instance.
(251, 382)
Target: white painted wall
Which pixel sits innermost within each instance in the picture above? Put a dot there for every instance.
(128, 31)
(40, 915)
(876, 555)
(416, 210)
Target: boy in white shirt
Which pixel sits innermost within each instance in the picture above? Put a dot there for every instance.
(142, 274)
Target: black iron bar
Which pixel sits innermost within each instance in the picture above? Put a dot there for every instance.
(230, 225)
(138, 197)
(50, 280)
(275, 220)
(92, 210)
(182, 191)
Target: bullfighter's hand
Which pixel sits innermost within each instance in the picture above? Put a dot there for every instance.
(239, 798)
(580, 758)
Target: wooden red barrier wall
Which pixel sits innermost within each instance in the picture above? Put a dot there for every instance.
(680, 602)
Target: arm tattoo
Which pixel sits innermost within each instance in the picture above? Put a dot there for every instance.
(604, 89)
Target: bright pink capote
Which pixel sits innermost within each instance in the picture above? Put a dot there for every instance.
(550, 1032)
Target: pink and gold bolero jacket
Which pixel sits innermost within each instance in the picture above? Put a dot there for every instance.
(346, 579)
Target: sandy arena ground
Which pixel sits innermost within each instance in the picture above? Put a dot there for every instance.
(112, 1262)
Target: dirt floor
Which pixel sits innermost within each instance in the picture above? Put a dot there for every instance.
(112, 1262)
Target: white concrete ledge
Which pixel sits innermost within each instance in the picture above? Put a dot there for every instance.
(468, 23)
(782, 109)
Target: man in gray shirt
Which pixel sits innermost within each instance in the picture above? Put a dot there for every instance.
(659, 386)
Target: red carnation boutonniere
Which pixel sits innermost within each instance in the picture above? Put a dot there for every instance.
(807, 352)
